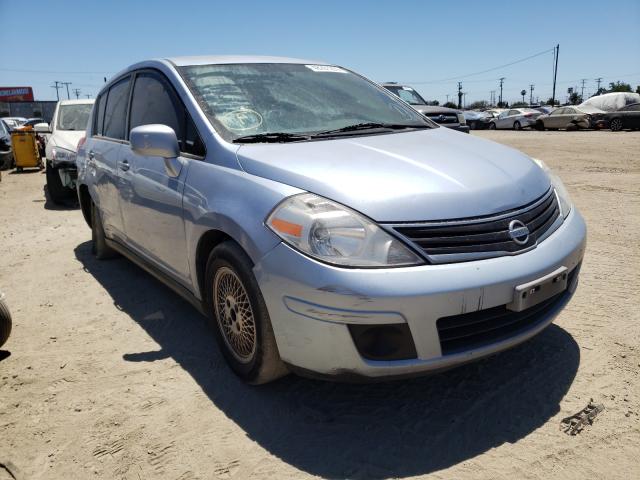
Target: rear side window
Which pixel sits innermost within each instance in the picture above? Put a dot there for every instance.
(98, 120)
(154, 101)
(115, 114)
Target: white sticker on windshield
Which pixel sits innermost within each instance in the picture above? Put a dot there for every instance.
(326, 68)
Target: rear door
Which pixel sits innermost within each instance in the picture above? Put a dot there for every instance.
(104, 148)
(150, 192)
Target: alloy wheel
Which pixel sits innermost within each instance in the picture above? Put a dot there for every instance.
(616, 125)
(234, 315)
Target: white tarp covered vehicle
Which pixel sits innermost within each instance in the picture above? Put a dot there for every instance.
(611, 102)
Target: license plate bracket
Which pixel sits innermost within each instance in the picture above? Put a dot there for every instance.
(541, 289)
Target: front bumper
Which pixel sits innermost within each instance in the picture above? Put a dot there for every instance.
(312, 304)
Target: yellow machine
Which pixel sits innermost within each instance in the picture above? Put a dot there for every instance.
(25, 150)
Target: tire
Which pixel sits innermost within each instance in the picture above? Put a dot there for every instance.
(99, 245)
(244, 333)
(540, 125)
(517, 126)
(58, 193)
(492, 126)
(572, 127)
(5, 322)
(615, 125)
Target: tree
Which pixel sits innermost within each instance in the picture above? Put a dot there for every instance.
(479, 105)
(619, 87)
(575, 98)
(638, 89)
(450, 105)
(433, 103)
(551, 102)
(519, 104)
(503, 105)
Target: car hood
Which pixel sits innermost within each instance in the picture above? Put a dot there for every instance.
(67, 139)
(433, 110)
(410, 176)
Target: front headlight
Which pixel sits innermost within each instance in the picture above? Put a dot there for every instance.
(335, 234)
(564, 200)
(461, 119)
(62, 155)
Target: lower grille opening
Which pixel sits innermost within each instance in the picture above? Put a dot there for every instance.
(467, 331)
(384, 342)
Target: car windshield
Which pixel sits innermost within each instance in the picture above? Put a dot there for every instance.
(293, 99)
(407, 94)
(74, 117)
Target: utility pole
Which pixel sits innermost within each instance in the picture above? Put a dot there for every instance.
(76, 92)
(599, 80)
(555, 74)
(501, 82)
(464, 103)
(447, 98)
(57, 86)
(67, 85)
(531, 94)
(459, 94)
(493, 97)
(88, 96)
(582, 91)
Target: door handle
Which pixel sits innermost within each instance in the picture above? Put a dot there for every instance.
(124, 165)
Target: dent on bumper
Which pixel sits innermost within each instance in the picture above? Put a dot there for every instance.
(311, 304)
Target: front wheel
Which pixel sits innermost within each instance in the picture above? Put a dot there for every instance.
(239, 315)
(517, 126)
(58, 193)
(615, 125)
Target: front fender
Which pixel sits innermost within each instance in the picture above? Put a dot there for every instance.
(233, 202)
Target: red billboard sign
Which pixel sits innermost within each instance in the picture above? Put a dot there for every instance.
(16, 94)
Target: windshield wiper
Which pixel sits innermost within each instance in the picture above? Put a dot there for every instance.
(372, 126)
(272, 137)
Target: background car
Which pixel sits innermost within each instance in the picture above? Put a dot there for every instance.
(32, 122)
(569, 118)
(477, 120)
(515, 119)
(14, 122)
(6, 153)
(626, 118)
(447, 117)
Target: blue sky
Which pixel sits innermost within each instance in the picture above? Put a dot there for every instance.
(417, 42)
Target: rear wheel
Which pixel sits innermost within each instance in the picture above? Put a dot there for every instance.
(99, 246)
(616, 125)
(239, 315)
(540, 125)
(517, 126)
(492, 126)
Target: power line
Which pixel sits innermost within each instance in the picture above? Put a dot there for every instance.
(57, 86)
(599, 80)
(51, 71)
(458, 77)
(76, 92)
(67, 85)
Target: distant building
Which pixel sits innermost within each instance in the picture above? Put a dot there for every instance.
(31, 109)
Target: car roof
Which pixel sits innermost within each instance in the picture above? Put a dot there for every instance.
(230, 59)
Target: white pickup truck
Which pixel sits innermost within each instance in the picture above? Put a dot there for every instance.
(67, 128)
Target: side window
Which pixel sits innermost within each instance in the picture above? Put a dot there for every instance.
(115, 115)
(98, 120)
(154, 101)
(569, 111)
(631, 108)
(514, 112)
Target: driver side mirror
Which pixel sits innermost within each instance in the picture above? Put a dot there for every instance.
(154, 140)
(42, 127)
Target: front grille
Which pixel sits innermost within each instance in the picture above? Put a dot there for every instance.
(483, 237)
(468, 331)
(443, 118)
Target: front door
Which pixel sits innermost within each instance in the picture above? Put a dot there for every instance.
(151, 188)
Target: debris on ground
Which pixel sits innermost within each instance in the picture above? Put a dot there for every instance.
(575, 423)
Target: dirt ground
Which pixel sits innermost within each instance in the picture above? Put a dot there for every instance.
(110, 375)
